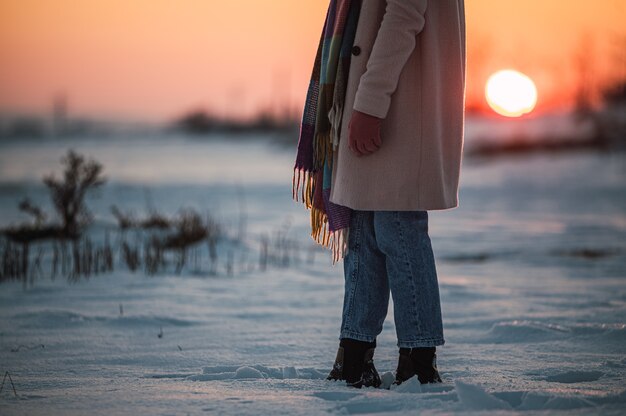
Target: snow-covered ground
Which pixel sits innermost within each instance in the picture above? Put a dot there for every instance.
(532, 269)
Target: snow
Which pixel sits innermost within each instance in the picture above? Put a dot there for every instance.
(475, 398)
(412, 385)
(531, 268)
(575, 376)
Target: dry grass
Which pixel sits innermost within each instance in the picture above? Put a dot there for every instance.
(160, 244)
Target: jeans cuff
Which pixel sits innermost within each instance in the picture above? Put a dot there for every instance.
(357, 336)
(429, 342)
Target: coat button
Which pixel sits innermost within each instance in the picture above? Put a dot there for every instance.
(356, 50)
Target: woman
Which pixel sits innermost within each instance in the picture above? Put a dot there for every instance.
(387, 139)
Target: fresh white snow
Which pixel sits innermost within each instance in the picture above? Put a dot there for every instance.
(533, 324)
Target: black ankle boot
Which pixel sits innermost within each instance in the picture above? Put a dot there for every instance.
(337, 372)
(417, 361)
(354, 363)
(369, 375)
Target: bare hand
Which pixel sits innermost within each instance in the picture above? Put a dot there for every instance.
(364, 133)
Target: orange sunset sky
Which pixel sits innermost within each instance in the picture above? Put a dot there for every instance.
(152, 60)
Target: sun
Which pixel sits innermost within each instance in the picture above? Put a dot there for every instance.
(511, 93)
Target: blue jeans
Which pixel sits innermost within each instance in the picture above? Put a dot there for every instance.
(391, 250)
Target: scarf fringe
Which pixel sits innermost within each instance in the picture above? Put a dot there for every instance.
(303, 180)
(336, 241)
(339, 243)
(319, 227)
(302, 186)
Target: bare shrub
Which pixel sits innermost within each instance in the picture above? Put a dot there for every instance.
(68, 193)
(156, 220)
(38, 214)
(190, 230)
(124, 220)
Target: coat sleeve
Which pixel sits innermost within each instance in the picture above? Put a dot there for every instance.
(402, 22)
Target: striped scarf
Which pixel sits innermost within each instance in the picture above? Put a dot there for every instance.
(321, 125)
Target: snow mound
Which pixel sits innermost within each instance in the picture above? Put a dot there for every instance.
(387, 379)
(474, 397)
(290, 372)
(248, 372)
(411, 385)
(233, 372)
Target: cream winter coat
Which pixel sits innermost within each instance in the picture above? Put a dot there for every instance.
(407, 67)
